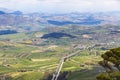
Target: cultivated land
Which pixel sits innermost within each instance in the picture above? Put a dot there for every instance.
(29, 56)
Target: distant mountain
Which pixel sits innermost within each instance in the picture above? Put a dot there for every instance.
(10, 11)
(84, 22)
(1, 12)
(3, 32)
(6, 10)
(17, 13)
(16, 20)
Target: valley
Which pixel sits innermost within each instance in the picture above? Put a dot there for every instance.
(30, 56)
(59, 39)
(45, 46)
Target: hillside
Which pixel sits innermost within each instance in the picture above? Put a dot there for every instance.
(4, 32)
(19, 50)
(59, 39)
(21, 22)
(57, 35)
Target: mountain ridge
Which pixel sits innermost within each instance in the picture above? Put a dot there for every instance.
(17, 20)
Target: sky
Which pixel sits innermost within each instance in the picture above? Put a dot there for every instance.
(61, 6)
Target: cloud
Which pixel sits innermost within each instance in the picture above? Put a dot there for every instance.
(61, 5)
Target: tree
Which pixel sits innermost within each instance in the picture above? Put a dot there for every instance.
(111, 64)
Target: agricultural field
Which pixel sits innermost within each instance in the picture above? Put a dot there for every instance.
(26, 62)
(32, 56)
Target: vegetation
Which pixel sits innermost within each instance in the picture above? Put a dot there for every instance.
(57, 35)
(111, 64)
(27, 56)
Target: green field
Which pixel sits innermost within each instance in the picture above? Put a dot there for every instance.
(25, 62)
(25, 56)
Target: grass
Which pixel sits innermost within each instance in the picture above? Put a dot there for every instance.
(39, 60)
(14, 36)
(87, 71)
(38, 64)
(87, 74)
(35, 61)
(75, 62)
(30, 76)
(8, 50)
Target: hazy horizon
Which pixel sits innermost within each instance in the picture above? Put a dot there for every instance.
(61, 6)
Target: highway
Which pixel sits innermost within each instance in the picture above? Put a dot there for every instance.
(57, 72)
